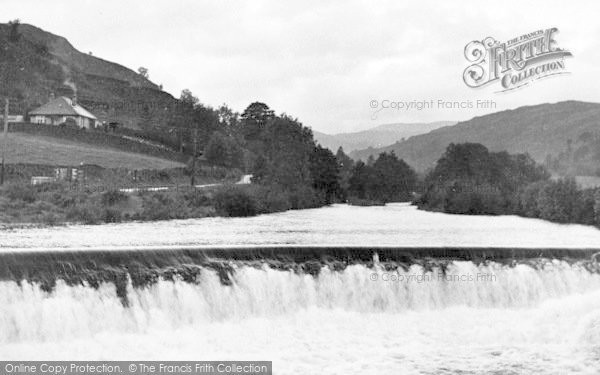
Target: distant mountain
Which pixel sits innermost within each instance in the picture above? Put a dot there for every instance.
(539, 130)
(379, 136)
(36, 63)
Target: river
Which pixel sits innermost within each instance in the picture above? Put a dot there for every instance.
(395, 225)
(536, 317)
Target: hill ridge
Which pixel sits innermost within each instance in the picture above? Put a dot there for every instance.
(378, 136)
(39, 63)
(540, 130)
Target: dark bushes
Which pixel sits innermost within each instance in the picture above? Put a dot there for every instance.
(22, 192)
(162, 206)
(86, 213)
(112, 215)
(470, 180)
(560, 201)
(235, 201)
(113, 197)
(388, 179)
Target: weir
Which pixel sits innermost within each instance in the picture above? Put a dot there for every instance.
(148, 289)
(146, 265)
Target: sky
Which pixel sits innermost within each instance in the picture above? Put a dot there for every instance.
(332, 64)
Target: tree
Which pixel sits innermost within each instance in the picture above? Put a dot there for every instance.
(216, 151)
(325, 171)
(261, 170)
(14, 35)
(229, 120)
(287, 146)
(344, 161)
(597, 207)
(254, 120)
(195, 123)
(394, 180)
(224, 151)
(188, 98)
(346, 165)
(558, 199)
(468, 179)
(143, 72)
(360, 180)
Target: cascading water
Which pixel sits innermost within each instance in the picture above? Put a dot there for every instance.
(549, 310)
(446, 294)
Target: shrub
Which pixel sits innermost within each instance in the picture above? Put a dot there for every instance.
(270, 199)
(86, 213)
(163, 206)
(196, 198)
(50, 218)
(304, 197)
(597, 207)
(113, 197)
(235, 201)
(22, 191)
(584, 209)
(557, 201)
(354, 201)
(111, 215)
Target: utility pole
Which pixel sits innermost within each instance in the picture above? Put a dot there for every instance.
(180, 135)
(195, 151)
(5, 140)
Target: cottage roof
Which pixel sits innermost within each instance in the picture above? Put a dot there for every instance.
(62, 106)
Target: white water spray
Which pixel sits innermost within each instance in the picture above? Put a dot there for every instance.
(28, 313)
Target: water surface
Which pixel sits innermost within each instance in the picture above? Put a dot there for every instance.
(399, 225)
(537, 317)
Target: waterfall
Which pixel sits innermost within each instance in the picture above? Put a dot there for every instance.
(29, 311)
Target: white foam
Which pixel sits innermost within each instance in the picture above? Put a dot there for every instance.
(525, 320)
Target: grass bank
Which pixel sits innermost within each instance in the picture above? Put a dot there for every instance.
(40, 149)
(95, 138)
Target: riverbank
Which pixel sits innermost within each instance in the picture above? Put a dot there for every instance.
(23, 205)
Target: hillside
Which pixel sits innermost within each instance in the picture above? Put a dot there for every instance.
(380, 136)
(35, 149)
(539, 130)
(36, 63)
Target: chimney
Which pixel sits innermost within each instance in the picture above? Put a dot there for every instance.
(51, 96)
(74, 100)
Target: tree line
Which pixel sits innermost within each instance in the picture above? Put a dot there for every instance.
(469, 179)
(290, 170)
(295, 170)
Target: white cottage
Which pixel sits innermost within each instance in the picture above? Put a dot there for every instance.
(63, 110)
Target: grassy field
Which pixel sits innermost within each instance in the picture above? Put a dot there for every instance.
(35, 149)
